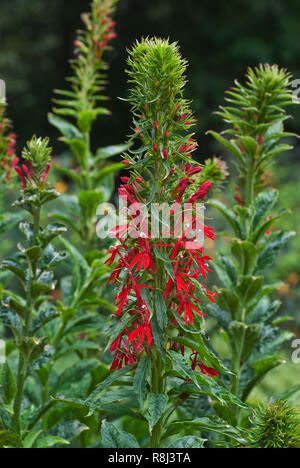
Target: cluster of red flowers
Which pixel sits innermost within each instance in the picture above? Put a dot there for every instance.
(7, 146)
(26, 173)
(136, 269)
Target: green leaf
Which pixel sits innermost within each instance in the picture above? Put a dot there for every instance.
(77, 346)
(263, 203)
(244, 337)
(9, 439)
(196, 343)
(49, 441)
(84, 323)
(262, 228)
(14, 267)
(221, 316)
(88, 201)
(158, 337)
(69, 430)
(230, 216)
(188, 442)
(157, 403)
(115, 438)
(48, 194)
(82, 270)
(32, 347)
(226, 271)
(261, 368)
(8, 385)
(109, 151)
(111, 169)
(182, 324)
(33, 254)
(211, 424)
(10, 319)
(269, 344)
(262, 311)
(245, 253)
(30, 438)
(78, 148)
(52, 258)
(277, 149)
(229, 301)
(249, 286)
(229, 145)
(117, 410)
(289, 394)
(249, 144)
(69, 173)
(184, 366)
(272, 249)
(51, 231)
(66, 129)
(46, 313)
(140, 379)
(224, 396)
(108, 382)
(87, 117)
(8, 221)
(74, 374)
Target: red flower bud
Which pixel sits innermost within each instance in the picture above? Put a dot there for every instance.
(165, 154)
(19, 171)
(46, 172)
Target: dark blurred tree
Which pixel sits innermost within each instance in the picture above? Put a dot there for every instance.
(220, 39)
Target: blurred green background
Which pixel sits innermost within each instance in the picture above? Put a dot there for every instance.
(219, 39)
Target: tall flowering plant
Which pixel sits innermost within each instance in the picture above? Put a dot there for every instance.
(160, 269)
(245, 310)
(26, 310)
(81, 298)
(88, 169)
(90, 177)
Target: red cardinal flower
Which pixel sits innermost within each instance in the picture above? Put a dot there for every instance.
(143, 257)
(204, 369)
(143, 330)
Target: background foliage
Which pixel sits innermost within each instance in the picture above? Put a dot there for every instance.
(219, 39)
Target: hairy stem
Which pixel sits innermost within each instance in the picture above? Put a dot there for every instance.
(24, 358)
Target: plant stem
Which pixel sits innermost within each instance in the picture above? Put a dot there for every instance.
(250, 184)
(23, 359)
(88, 180)
(157, 374)
(157, 386)
(19, 396)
